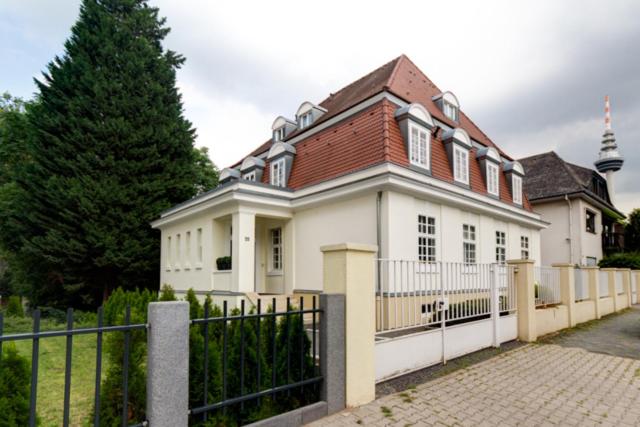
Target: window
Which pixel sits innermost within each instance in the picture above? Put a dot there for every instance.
(426, 238)
(276, 249)
(278, 134)
(591, 221)
(199, 243)
(418, 146)
(501, 247)
(305, 120)
(277, 173)
(460, 165)
(524, 247)
(451, 111)
(187, 243)
(177, 260)
(592, 261)
(516, 184)
(492, 179)
(469, 243)
(250, 176)
(168, 253)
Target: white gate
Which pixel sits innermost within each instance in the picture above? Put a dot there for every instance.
(427, 313)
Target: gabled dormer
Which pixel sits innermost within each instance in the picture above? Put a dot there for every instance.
(308, 113)
(252, 169)
(229, 174)
(416, 124)
(489, 160)
(458, 144)
(449, 105)
(280, 159)
(514, 173)
(282, 127)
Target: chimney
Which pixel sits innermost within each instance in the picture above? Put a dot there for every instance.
(609, 160)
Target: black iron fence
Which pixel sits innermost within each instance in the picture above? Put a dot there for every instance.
(36, 335)
(255, 364)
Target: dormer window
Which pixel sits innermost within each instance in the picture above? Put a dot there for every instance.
(448, 104)
(305, 120)
(450, 110)
(489, 160)
(415, 124)
(307, 113)
(278, 134)
(516, 185)
(282, 127)
(492, 179)
(278, 173)
(461, 164)
(514, 173)
(251, 176)
(419, 146)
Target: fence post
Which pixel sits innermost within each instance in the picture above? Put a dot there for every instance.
(594, 287)
(525, 299)
(349, 270)
(568, 290)
(613, 293)
(332, 351)
(495, 304)
(626, 284)
(168, 364)
(635, 281)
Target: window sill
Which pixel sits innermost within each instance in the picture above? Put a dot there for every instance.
(199, 266)
(275, 273)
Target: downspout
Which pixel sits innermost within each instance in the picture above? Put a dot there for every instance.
(378, 235)
(566, 197)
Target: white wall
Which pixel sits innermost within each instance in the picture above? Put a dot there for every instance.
(590, 243)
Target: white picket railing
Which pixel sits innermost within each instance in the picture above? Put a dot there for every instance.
(413, 294)
(581, 278)
(603, 283)
(547, 286)
(619, 285)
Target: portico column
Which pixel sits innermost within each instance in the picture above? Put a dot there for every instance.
(243, 254)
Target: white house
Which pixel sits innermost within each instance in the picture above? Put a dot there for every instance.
(389, 160)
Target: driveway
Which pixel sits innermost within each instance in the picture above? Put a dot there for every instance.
(589, 376)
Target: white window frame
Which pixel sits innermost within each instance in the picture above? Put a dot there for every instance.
(305, 120)
(250, 176)
(524, 247)
(199, 248)
(278, 173)
(469, 247)
(450, 110)
(493, 181)
(419, 150)
(516, 186)
(427, 250)
(460, 164)
(278, 134)
(275, 256)
(501, 247)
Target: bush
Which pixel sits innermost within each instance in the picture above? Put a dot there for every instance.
(167, 293)
(14, 307)
(621, 260)
(223, 263)
(15, 377)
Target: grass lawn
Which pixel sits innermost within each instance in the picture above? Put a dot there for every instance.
(51, 376)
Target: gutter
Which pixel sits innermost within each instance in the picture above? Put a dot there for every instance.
(566, 198)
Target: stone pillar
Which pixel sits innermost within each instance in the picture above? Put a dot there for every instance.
(594, 287)
(611, 276)
(635, 282)
(168, 364)
(495, 304)
(568, 290)
(525, 301)
(349, 270)
(243, 255)
(626, 284)
(332, 351)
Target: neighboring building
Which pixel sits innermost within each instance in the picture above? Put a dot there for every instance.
(577, 202)
(389, 160)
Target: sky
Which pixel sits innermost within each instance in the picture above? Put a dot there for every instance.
(531, 74)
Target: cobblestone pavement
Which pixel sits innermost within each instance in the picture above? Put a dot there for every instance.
(538, 384)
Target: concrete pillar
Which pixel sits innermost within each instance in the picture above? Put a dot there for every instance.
(635, 283)
(626, 284)
(495, 304)
(243, 257)
(168, 364)
(611, 276)
(349, 270)
(594, 287)
(332, 351)
(525, 299)
(568, 290)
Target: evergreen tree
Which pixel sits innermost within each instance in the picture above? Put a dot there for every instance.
(632, 231)
(110, 151)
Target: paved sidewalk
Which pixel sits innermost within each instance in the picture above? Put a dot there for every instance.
(540, 384)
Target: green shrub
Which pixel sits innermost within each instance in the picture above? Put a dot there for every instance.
(621, 260)
(167, 293)
(14, 307)
(15, 377)
(223, 263)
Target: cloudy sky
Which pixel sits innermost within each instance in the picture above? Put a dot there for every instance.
(532, 75)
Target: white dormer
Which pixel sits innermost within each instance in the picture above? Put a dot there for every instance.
(489, 160)
(457, 144)
(282, 127)
(448, 103)
(229, 174)
(280, 163)
(415, 124)
(252, 169)
(308, 113)
(514, 173)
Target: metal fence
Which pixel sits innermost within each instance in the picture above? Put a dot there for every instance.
(547, 286)
(603, 283)
(581, 280)
(36, 335)
(413, 294)
(278, 355)
(619, 284)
